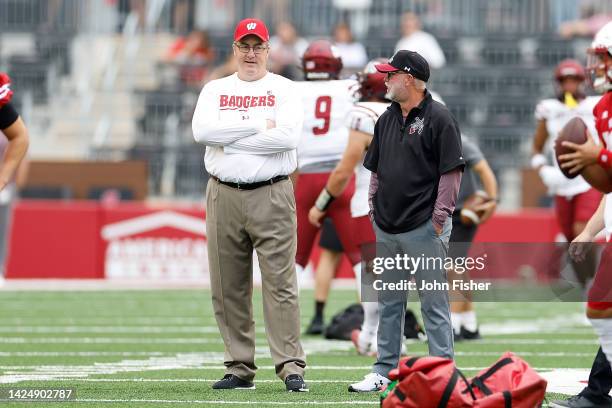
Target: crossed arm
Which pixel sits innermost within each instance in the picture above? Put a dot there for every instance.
(252, 136)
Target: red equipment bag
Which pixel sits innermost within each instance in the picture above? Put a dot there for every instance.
(510, 382)
(435, 382)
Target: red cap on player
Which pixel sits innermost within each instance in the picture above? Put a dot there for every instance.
(251, 26)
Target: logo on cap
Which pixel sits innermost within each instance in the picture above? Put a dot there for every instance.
(407, 69)
(251, 26)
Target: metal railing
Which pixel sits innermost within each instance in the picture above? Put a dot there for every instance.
(312, 17)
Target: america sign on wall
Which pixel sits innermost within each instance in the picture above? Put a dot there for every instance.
(164, 245)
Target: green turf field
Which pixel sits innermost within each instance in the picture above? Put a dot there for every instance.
(162, 348)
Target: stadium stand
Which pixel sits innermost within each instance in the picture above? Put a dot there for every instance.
(90, 92)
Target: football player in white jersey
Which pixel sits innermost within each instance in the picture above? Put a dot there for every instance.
(327, 101)
(361, 122)
(575, 199)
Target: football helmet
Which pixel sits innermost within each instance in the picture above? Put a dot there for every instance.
(372, 82)
(321, 60)
(569, 92)
(569, 68)
(599, 60)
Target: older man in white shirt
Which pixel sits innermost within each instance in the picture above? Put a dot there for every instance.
(250, 123)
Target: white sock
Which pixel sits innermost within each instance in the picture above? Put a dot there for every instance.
(370, 309)
(585, 320)
(357, 272)
(603, 328)
(469, 320)
(301, 276)
(456, 322)
(370, 317)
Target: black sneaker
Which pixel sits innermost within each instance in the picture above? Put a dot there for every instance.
(232, 382)
(316, 326)
(577, 401)
(470, 335)
(295, 383)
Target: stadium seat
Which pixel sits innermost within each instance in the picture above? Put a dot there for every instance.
(33, 74)
(55, 48)
(125, 193)
(451, 51)
(46, 192)
(158, 106)
(551, 50)
(191, 176)
(20, 15)
(501, 51)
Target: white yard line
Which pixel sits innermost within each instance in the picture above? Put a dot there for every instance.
(86, 321)
(521, 353)
(210, 329)
(98, 368)
(516, 326)
(566, 381)
(202, 362)
(521, 341)
(81, 353)
(11, 285)
(180, 380)
(263, 354)
(111, 340)
(201, 329)
(62, 285)
(563, 381)
(217, 402)
(262, 341)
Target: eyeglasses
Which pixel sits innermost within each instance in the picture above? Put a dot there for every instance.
(392, 73)
(245, 48)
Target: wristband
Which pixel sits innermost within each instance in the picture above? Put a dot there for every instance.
(324, 200)
(5, 94)
(538, 160)
(604, 158)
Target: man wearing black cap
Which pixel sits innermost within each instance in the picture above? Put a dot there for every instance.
(416, 164)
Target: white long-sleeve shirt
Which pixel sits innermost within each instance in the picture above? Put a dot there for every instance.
(426, 45)
(230, 119)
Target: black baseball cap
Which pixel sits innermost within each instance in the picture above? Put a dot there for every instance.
(407, 61)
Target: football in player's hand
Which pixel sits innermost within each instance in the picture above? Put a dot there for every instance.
(470, 214)
(574, 131)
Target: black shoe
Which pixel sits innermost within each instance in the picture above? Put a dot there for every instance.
(232, 382)
(469, 335)
(316, 326)
(577, 401)
(295, 383)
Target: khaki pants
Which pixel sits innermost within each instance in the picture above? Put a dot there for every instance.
(238, 221)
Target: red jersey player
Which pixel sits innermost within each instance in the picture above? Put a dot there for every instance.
(360, 121)
(594, 164)
(327, 100)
